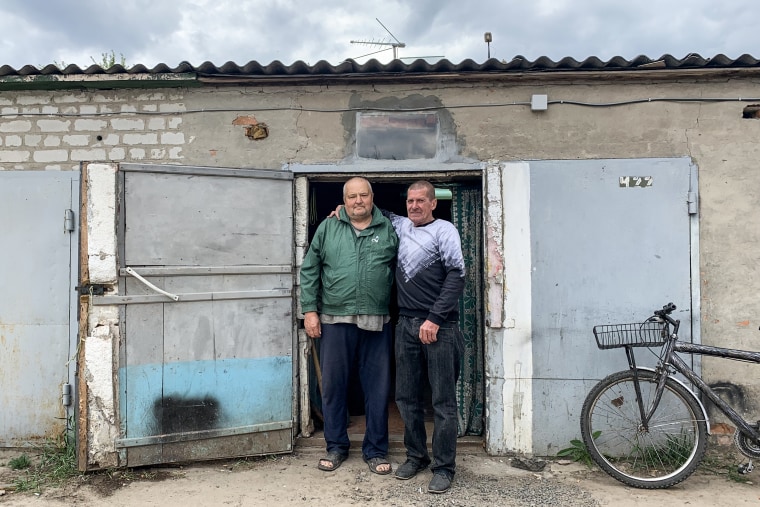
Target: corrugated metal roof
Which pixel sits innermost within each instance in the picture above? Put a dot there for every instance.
(397, 67)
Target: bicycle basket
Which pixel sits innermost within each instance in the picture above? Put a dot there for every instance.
(642, 334)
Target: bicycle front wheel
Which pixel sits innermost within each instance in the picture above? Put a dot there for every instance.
(660, 455)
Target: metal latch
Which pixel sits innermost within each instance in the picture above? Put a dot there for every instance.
(92, 289)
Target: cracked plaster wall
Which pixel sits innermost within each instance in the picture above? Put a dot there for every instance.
(101, 343)
(307, 125)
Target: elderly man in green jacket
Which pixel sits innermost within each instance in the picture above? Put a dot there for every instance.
(346, 280)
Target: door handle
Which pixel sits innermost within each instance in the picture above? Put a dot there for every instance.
(150, 285)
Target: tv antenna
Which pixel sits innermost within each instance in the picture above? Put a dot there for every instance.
(393, 45)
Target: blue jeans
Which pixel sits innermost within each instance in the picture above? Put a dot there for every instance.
(341, 346)
(441, 362)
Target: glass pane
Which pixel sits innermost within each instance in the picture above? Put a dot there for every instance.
(396, 136)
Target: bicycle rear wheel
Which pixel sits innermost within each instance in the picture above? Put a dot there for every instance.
(665, 454)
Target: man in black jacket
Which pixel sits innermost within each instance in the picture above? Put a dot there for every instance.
(430, 279)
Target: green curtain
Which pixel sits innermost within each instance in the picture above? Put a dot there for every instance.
(467, 216)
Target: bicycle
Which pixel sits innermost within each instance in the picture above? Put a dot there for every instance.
(645, 427)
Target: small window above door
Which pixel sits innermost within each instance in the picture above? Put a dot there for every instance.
(396, 136)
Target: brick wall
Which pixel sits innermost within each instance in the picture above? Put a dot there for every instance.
(58, 130)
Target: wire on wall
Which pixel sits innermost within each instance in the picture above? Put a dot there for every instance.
(385, 110)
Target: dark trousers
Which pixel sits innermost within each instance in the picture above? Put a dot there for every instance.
(441, 362)
(341, 347)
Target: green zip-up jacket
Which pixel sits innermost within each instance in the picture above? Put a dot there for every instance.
(346, 274)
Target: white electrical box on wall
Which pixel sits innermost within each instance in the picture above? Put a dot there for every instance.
(539, 102)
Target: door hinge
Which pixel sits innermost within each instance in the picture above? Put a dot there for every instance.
(68, 220)
(92, 289)
(66, 395)
(692, 202)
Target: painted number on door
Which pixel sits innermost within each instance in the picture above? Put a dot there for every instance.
(635, 181)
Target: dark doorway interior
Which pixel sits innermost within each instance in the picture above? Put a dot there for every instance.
(324, 196)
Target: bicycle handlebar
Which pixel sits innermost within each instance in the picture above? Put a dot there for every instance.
(664, 314)
(666, 310)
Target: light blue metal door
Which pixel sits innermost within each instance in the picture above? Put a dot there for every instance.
(611, 242)
(206, 368)
(38, 270)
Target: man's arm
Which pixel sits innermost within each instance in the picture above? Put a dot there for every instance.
(311, 283)
(450, 249)
(387, 214)
(448, 299)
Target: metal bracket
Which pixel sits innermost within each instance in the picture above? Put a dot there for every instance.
(92, 289)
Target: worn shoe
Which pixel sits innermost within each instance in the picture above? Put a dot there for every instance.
(331, 461)
(409, 469)
(375, 464)
(440, 483)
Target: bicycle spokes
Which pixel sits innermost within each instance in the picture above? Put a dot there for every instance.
(656, 453)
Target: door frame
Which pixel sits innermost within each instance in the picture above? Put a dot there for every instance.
(409, 172)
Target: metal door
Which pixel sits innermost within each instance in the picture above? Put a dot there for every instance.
(38, 270)
(611, 242)
(206, 367)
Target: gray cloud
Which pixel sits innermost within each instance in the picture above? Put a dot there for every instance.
(39, 32)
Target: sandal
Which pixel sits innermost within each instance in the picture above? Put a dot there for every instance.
(373, 463)
(334, 459)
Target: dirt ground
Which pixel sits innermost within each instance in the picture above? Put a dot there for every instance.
(294, 479)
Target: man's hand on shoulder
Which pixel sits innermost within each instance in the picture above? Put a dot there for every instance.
(336, 212)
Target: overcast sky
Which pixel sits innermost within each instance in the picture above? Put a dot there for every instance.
(40, 32)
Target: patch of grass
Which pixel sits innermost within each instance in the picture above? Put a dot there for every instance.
(719, 461)
(248, 462)
(578, 452)
(673, 453)
(131, 475)
(733, 474)
(20, 462)
(56, 465)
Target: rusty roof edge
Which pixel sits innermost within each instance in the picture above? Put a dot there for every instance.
(96, 81)
(518, 69)
(373, 66)
(643, 74)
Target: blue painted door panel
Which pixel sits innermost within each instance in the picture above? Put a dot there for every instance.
(217, 362)
(38, 268)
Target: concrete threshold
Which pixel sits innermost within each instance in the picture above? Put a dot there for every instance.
(316, 442)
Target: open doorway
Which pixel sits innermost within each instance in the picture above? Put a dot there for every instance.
(460, 202)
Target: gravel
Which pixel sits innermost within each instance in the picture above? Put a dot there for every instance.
(471, 488)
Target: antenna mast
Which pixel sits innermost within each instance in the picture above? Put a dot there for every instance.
(394, 45)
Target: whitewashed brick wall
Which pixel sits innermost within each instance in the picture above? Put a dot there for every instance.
(58, 130)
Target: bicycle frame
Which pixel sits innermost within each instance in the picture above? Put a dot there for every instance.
(671, 360)
(676, 362)
(647, 427)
